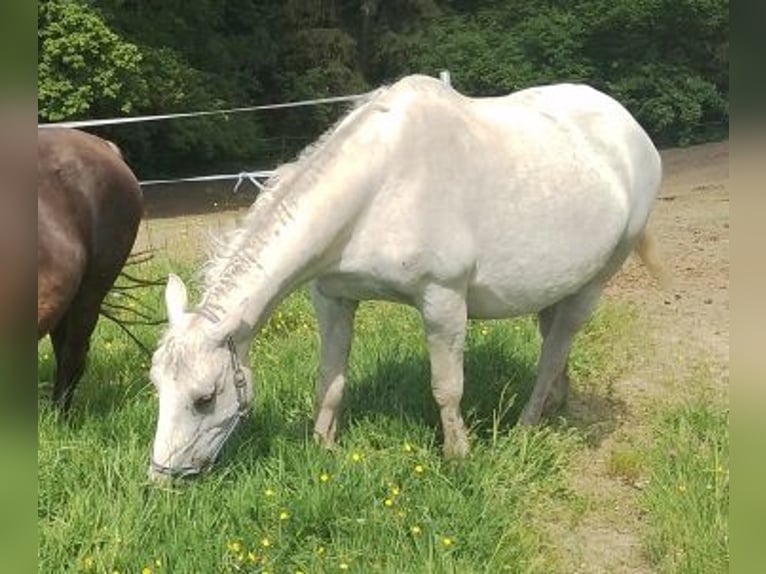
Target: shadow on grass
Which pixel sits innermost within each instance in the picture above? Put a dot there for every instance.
(595, 414)
(497, 384)
(395, 386)
(101, 393)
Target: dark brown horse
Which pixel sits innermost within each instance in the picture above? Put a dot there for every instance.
(89, 206)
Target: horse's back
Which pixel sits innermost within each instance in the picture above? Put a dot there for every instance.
(89, 209)
(523, 199)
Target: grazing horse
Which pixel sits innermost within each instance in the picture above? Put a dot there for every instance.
(463, 208)
(89, 206)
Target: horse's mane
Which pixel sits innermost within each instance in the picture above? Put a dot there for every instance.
(226, 246)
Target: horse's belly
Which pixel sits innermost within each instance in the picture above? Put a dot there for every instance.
(514, 286)
(492, 302)
(365, 287)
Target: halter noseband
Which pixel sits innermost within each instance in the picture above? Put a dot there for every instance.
(240, 387)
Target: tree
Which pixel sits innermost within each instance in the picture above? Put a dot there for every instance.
(83, 66)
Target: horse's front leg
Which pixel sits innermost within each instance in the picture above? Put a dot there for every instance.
(445, 317)
(336, 327)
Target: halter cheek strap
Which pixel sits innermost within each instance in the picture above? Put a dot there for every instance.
(240, 381)
(240, 387)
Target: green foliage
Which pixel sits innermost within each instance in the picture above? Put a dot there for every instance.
(666, 60)
(83, 66)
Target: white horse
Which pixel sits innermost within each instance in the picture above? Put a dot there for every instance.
(463, 208)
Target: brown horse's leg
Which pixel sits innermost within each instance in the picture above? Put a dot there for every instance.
(71, 340)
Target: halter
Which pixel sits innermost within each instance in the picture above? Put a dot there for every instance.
(240, 387)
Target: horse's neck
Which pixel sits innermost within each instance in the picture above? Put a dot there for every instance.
(298, 236)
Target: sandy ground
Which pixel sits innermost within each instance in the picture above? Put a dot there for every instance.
(686, 332)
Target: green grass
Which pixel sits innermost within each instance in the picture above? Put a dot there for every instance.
(687, 497)
(319, 511)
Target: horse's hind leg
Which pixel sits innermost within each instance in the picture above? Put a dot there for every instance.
(557, 397)
(559, 328)
(71, 340)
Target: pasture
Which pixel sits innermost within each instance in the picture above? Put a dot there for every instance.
(632, 477)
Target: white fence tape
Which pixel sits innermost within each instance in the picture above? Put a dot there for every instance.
(252, 176)
(140, 119)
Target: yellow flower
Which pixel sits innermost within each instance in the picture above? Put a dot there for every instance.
(324, 477)
(265, 542)
(447, 541)
(419, 469)
(407, 447)
(682, 487)
(321, 550)
(356, 457)
(158, 563)
(416, 530)
(388, 502)
(252, 558)
(395, 491)
(343, 566)
(234, 546)
(284, 515)
(146, 570)
(269, 492)
(87, 563)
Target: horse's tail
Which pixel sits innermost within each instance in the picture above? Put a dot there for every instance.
(646, 249)
(123, 307)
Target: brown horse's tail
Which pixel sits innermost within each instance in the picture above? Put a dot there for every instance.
(646, 249)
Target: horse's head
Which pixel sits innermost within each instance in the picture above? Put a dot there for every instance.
(204, 389)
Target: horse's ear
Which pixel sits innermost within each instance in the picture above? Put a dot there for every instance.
(176, 299)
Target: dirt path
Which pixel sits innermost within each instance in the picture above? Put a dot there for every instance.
(687, 330)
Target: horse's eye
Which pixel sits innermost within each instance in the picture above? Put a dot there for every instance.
(204, 401)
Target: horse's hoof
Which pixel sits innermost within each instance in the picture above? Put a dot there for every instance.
(554, 404)
(324, 441)
(529, 419)
(456, 450)
(557, 397)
